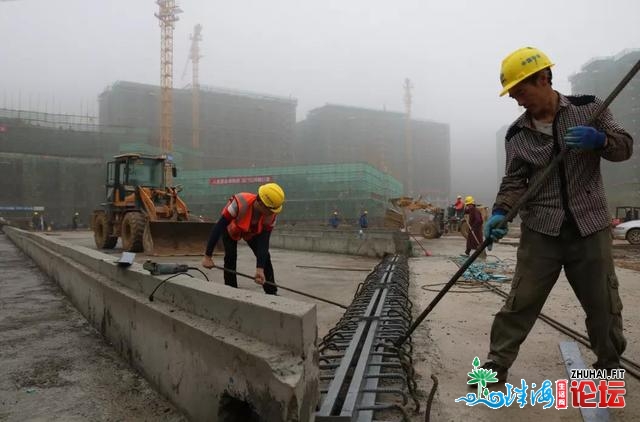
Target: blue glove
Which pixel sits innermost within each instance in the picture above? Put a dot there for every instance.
(585, 137)
(491, 230)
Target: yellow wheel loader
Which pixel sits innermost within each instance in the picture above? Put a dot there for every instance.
(144, 212)
(416, 216)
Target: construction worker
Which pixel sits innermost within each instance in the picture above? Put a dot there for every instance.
(250, 217)
(458, 207)
(35, 221)
(75, 220)
(364, 220)
(474, 239)
(565, 224)
(334, 221)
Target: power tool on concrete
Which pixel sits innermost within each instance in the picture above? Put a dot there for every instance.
(157, 268)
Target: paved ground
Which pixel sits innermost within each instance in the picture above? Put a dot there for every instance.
(455, 332)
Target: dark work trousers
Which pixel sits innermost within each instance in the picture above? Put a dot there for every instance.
(231, 256)
(589, 267)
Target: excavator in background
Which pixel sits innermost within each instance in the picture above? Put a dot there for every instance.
(415, 216)
(144, 212)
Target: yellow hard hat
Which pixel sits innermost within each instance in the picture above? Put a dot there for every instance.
(272, 196)
(35, 213)
(469, 200)
(521, 64)
(366, 212)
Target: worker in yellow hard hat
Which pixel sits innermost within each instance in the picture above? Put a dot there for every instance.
(474, 238)
(565, 223)
(251, 217)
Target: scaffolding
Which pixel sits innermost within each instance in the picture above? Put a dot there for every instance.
(313, 192)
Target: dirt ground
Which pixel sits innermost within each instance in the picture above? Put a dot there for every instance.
(457, 329)
(626, 255)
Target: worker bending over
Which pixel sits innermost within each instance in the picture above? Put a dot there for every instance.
(250, 217)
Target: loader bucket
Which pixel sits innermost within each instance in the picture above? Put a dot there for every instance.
(169, 238)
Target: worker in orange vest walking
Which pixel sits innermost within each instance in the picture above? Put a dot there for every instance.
(250, 217)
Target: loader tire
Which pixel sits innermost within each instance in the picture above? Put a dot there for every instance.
(102, 229)
(430, 230)
(132, 232)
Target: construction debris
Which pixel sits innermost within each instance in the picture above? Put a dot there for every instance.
(483, 270)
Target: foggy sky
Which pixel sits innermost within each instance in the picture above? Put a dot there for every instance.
(62, 53)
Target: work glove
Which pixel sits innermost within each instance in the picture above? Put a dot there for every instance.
(492, 231)
(207, 262)
(585, 137)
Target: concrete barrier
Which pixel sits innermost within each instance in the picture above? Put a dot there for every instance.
(219, 354)
(372, 242)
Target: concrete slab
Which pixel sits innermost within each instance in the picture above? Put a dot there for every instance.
(336, 285)
(458, 328)
(188, 342)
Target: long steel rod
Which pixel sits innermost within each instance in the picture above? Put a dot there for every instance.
(514, 211)
(321, 299)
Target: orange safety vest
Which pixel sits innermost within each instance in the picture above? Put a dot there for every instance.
(240, 227)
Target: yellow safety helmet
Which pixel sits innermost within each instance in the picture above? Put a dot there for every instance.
(521, 64)
(272, 196)
(469, 200)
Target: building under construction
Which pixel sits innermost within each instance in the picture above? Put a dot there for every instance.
(236, 128)
(343, 134)
(600, 76)
(56, 162)
(313, 192)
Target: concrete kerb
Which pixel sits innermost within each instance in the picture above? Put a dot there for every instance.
(373, 242)
(217, 346)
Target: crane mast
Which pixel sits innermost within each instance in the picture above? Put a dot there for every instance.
(408, 144)
(168, 16)
(194, 55)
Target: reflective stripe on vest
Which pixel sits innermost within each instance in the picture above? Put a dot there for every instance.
(240, 226)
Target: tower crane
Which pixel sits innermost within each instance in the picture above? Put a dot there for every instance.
(408, 144)
(194, 56)
(168, 16)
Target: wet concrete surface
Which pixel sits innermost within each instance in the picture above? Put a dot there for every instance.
(53, 364)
